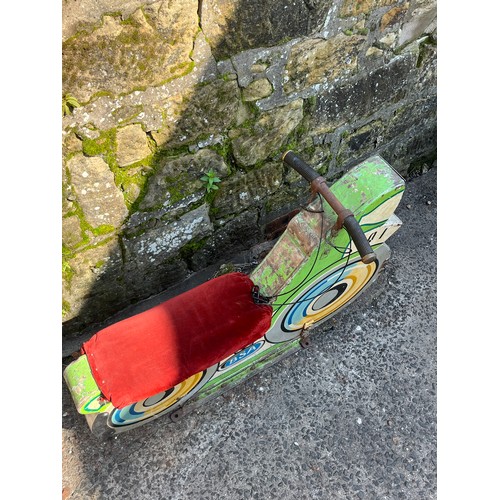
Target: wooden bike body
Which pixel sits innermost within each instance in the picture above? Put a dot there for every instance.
(311, 273)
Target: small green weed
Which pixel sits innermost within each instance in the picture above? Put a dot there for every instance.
(210, 179)
(69, 103)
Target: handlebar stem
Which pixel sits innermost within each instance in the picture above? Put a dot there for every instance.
(345, 217)
(319, 185)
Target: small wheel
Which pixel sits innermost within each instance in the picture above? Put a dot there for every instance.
(150, 408)
(324, 295)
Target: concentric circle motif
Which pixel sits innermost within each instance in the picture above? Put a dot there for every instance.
(325, 295)
(155, 405)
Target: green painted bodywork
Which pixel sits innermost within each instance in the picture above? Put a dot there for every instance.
(362, 190)
(84, 391)
(242, 371)
(296, 257)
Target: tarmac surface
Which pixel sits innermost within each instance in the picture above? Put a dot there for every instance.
(351, 417)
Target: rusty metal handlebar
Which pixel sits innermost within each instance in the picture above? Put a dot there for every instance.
(345, 218)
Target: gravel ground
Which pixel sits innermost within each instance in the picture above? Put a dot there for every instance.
(353, 416)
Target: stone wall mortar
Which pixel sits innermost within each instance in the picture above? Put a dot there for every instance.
(346, 80)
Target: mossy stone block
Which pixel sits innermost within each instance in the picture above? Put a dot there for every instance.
(150, 47)
(211, 109)
(258, 89)
(98, 196)
(316, 61)
(177, 178)
(268, 134)
(232, 27)
(131, 145)
(248, 189)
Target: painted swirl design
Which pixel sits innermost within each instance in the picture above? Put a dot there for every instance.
(328, 295)
(154, 405)
(320, 298)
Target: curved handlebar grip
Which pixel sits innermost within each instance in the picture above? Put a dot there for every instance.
(300, 166)
(358, 237)
(349, 222)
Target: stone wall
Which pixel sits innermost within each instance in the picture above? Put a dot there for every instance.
(159, 93)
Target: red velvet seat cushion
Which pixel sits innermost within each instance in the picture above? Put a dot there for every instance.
(155, 350)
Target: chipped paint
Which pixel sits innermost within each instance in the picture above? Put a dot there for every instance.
(364, 188)
(83, 388)
(299, 255)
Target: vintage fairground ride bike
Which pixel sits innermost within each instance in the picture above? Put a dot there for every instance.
(171, 358)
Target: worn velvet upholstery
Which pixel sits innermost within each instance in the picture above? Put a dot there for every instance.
(155, 350)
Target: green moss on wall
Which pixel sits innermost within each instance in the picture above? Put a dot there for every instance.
(131, 179)
(189, 249)
(67, 271)
(104, 145)
(225, 150)
(66, 308)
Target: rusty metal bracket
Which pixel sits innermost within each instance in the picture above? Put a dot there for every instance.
(176, 415)
(319, 186)
(305, 338)
(340, 219)
(258, 298)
